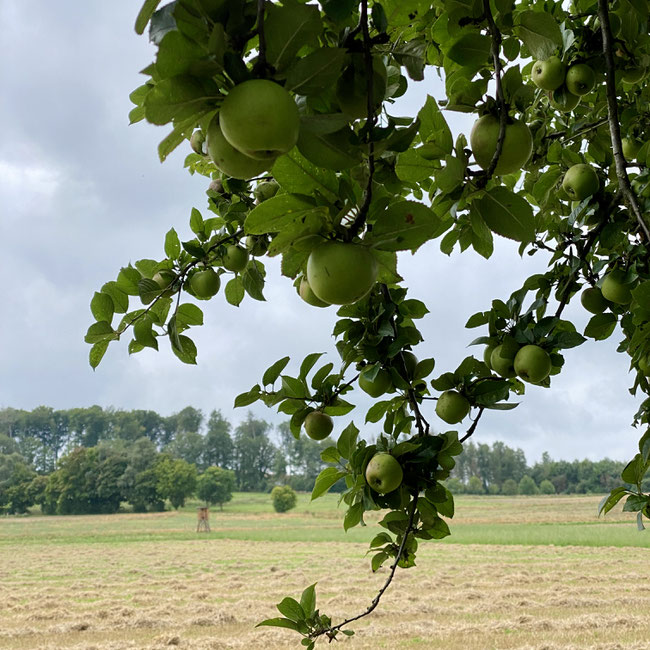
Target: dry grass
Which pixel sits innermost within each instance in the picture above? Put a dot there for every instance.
(207, 593)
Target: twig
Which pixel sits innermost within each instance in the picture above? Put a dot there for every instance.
(495, 35)
(393, 568)
(360, 219)
(261, 58)
(588, 127)
(471, 430)
(612, 111)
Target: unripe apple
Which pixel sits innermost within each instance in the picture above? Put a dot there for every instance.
(384, 473)
(487, 355)
(165, 280)
(593, 301)
(260, 118)
(305, 292)
(410, 363)
(548, 74)
(229, 160)
(452, 407)
(533, 363)
(265, 190)
(256, 245)
(631, 148)
(580, 79)
(580, 181)
(615, 289)
(379, 385)
(634, 75)
(341, 273)
(517, 144)
(205, 283)
(196, 142)
(562, 100)
(235, 258)
(318, 425)
(502, 361)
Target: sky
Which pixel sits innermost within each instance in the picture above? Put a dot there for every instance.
(82, 193)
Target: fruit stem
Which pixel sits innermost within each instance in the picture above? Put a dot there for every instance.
(471, 430)
(612, 112)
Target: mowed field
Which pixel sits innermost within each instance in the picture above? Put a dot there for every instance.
(539, 573)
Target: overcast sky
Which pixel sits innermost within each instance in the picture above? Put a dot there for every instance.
(82, 193)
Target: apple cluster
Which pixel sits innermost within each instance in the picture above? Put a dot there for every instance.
(565, 86)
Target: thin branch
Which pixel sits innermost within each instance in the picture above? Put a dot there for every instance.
(495, 35)
(614, 127)
(360, 219)
(471, 430)
(558, 135)
(261, 58)
(409, 529)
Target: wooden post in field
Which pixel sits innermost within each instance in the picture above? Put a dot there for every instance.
(202, 523)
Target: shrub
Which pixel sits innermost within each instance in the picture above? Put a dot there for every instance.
(528, 486)
(509, 487)
(283, 497)
(546, 487)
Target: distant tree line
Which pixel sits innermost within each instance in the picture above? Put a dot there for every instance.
(92, 460)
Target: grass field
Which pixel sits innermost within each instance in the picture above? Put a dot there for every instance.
(540, 573)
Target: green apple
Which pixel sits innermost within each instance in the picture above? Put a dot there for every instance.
(318, 425)
(615, 289)
(533, 363)
(562, 100)
(548, 74)
(235, 258)
(631, 148)
(205, 283)
(265, 190)
(341, 273)
(260, 118)
(580, 79)
(502, 360)
(384, 473)
(305, 292)
(256, 245)
(216, 186)
(517, 145)
(330, 150)
(229, 160)
(452, 407)
(351, 87)
(165, 280)
(580, 181)
(196, 142)
(379, 385)
(593, 301)
(487, 355)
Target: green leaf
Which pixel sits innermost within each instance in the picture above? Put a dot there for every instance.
(189, 314)
(274, 371)
(196, 222)
(317, 71)
(292, 609)
(280, 622)
(347, 442)
(439, 529)
(635, 470)
(172, 245)
(289, 28)
(234, 291)
(100, 331)
(245, 399)
(353, 516)
(471, 50)
(97, 353)
(184, 348)
(507, 214)
(404, 225)
(411, 167)
(434, 130)
(143, 334)
(635, 503)
(381, 539)
(253, 281)
(101, 307)
(127, 280)
(377, 411)
(320, 375)
(540, 33)
(610, 500)
(119, 298)
(294, 387)
(145, 14)
(330, 455)
(377, 560)
(148, 290)
(325, 480)
(308, 600)
(601, 326)
(308, 364)
(277, 213)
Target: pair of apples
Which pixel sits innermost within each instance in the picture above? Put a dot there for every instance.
(531, 362)
(565, 86)
(257, 122)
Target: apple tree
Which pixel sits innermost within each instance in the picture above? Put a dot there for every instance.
(287, 107)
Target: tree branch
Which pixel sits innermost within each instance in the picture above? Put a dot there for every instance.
(330, 632)
(471, 430)
(612, 111)
(261, 64)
